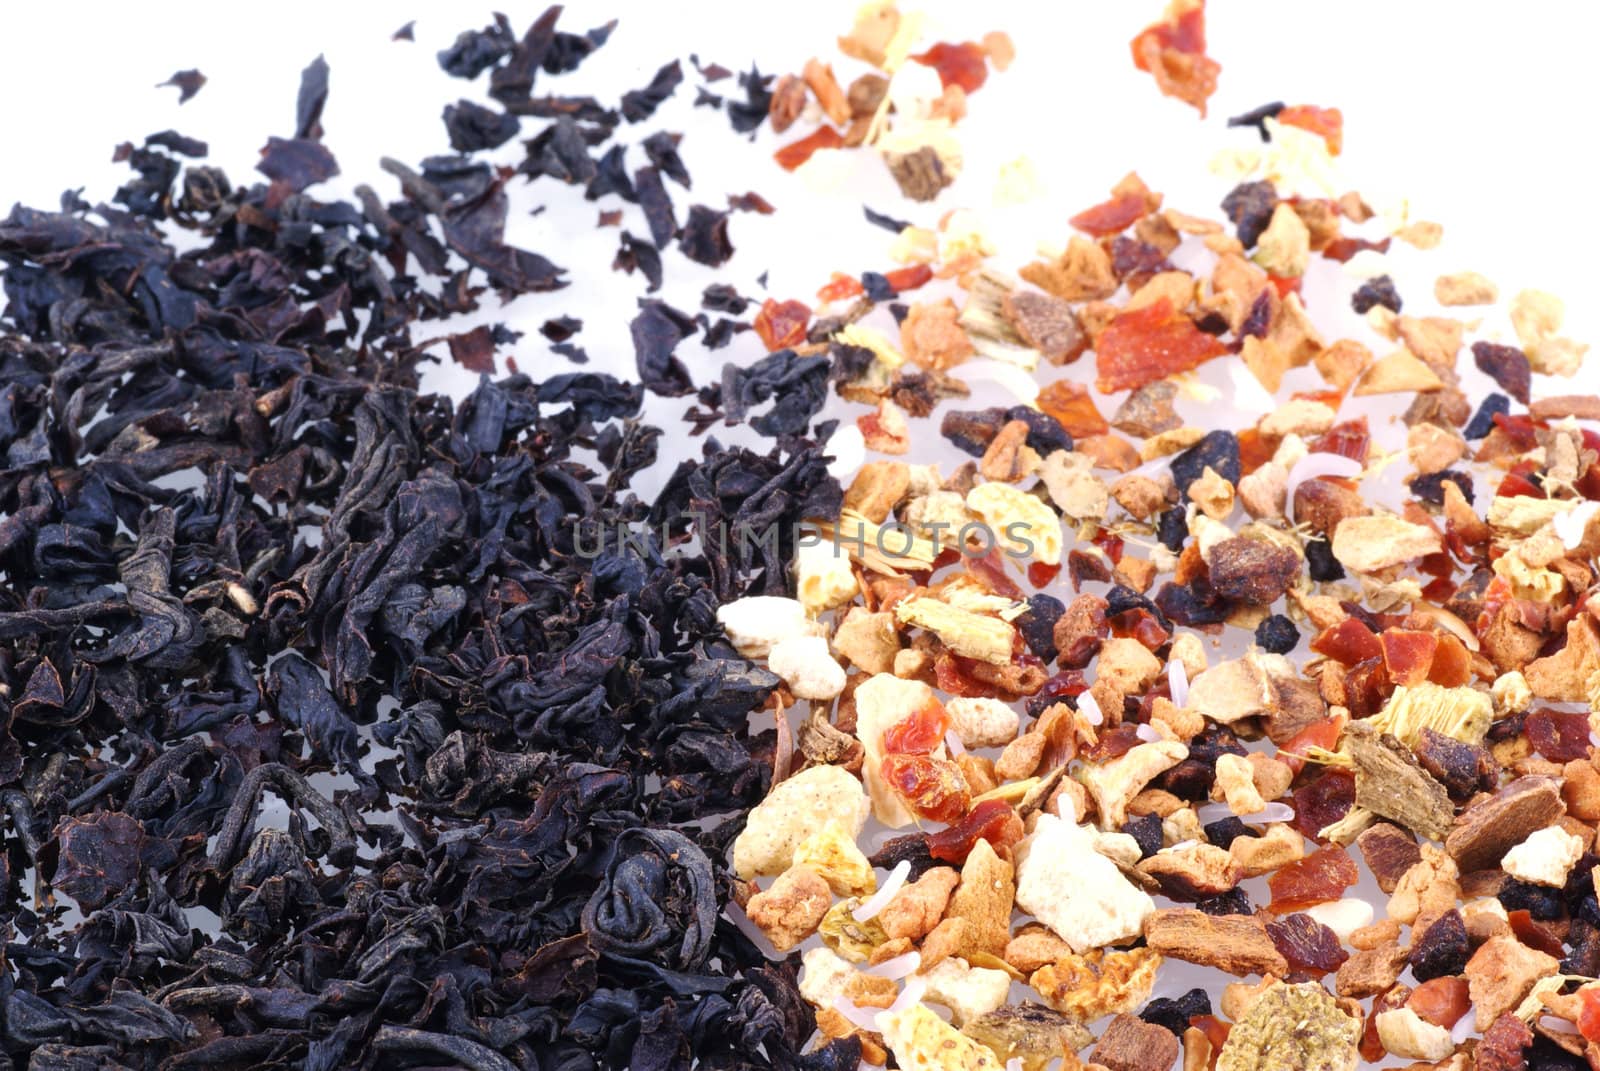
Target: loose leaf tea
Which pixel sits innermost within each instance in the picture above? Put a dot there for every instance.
(250, 570)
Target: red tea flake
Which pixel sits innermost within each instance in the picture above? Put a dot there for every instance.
(1326, 123)
(1145, 344)
(1559, 736)
(1307, 944)
(958, 65)
(1342, 249)
(1534, 934)
(1174, 51)
(1452, 663)
(1441, 1001)
(1371, 1046)
(1589, 1013)
(1285, 285)
(839, 287)
(1042, 575)
(919, 732)
(782, 324)
(933, 788)
(1320, 803)
(796, 153)
(1351, 439)
(1367, 688)
(1113, 216)
(950, 676)
(1255, 450)
(1071, 404)
(1408, 654)
(909, 278)
(1321, 876)
(1113, 743)
(1349, 642)
(995, 821)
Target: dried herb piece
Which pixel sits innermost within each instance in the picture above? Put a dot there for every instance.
(188, 83)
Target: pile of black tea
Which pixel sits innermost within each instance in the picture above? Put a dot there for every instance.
(244, 559)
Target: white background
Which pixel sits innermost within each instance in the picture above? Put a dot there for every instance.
(1478, 114)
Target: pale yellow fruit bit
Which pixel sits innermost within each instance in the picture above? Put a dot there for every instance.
(966, 990)
(1099, 982)
(1073, 889)
(1406, 1034)
(1284, 248)
(795, 809)
(1398, 373)
(1368, 544)
(1021, 524)
(987, 639)
(832, 853)
(921, 1041)
(1465, 288)
(1113, 784)
(867, 640)
(823, 575)
(806, 667)
(1544, 857)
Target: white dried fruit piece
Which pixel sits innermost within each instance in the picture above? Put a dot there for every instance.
(881, 701)
(982, 722)
(833, 854)
(921, 1041)
(1343, 917)
(1239, 688)
(1070, 481)
(1235, 781)
(1118, 847)
(1368, 544)
(823, 576)
(1406, 1034)
(1114, 783)
(823, 976)
(988, 639)
(1544, 857)
(1299, 416)
(966, 990)
(1073, 889)
(1401, 372)
(1465, 288)
(756, 623)
(806, 667)
(1021, 524)
(796, 808)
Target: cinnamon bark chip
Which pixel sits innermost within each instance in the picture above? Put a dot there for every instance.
(1237, 944)
(1485, 831)
(1391, 783)
(1046, 323)
(1389, 852)
(1131, 1044)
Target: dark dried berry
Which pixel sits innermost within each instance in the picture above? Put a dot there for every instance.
(1189, 780)
(877, 286)
(1506, 365)
(1583, 958)
(1045, 433)
(1146, 829)
(1277, 635)
(1223, 831)
(1538, 901)
(1321, 565)
(1429, 487)
(1172, 528)
(1174, 1013)
(1233, 902)
(1379, 290)
(1249, 206)
(1558, 735)
(911, 848)
(1037, 625)
(1462, 768)
(1252, 570)
(1192, 605)
(1214, 741)
(1218, 451)
(1442, 949)
(1307, 944)
(1482, 422)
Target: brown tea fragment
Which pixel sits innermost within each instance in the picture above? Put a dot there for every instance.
(1046, 323)
(1131, 1044)
(1390, 783)
(1237, 944)
(1252, 570)
(921, 174)
(1371, 971)
(1031, 1033)
(1486, 831)
(1389, 852)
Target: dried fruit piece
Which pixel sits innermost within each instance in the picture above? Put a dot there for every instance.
(995, 821)
(1131, 1044)
(1306, 943)
(782, 324)
(1237, 944)
(1073, 407)
(1321, 876)
(1326, 123)
(1113, 216)
(796, 153)
(1173, 50)
(958, 65)
(1149, 343)
(933, 788)
(1298, 1026)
